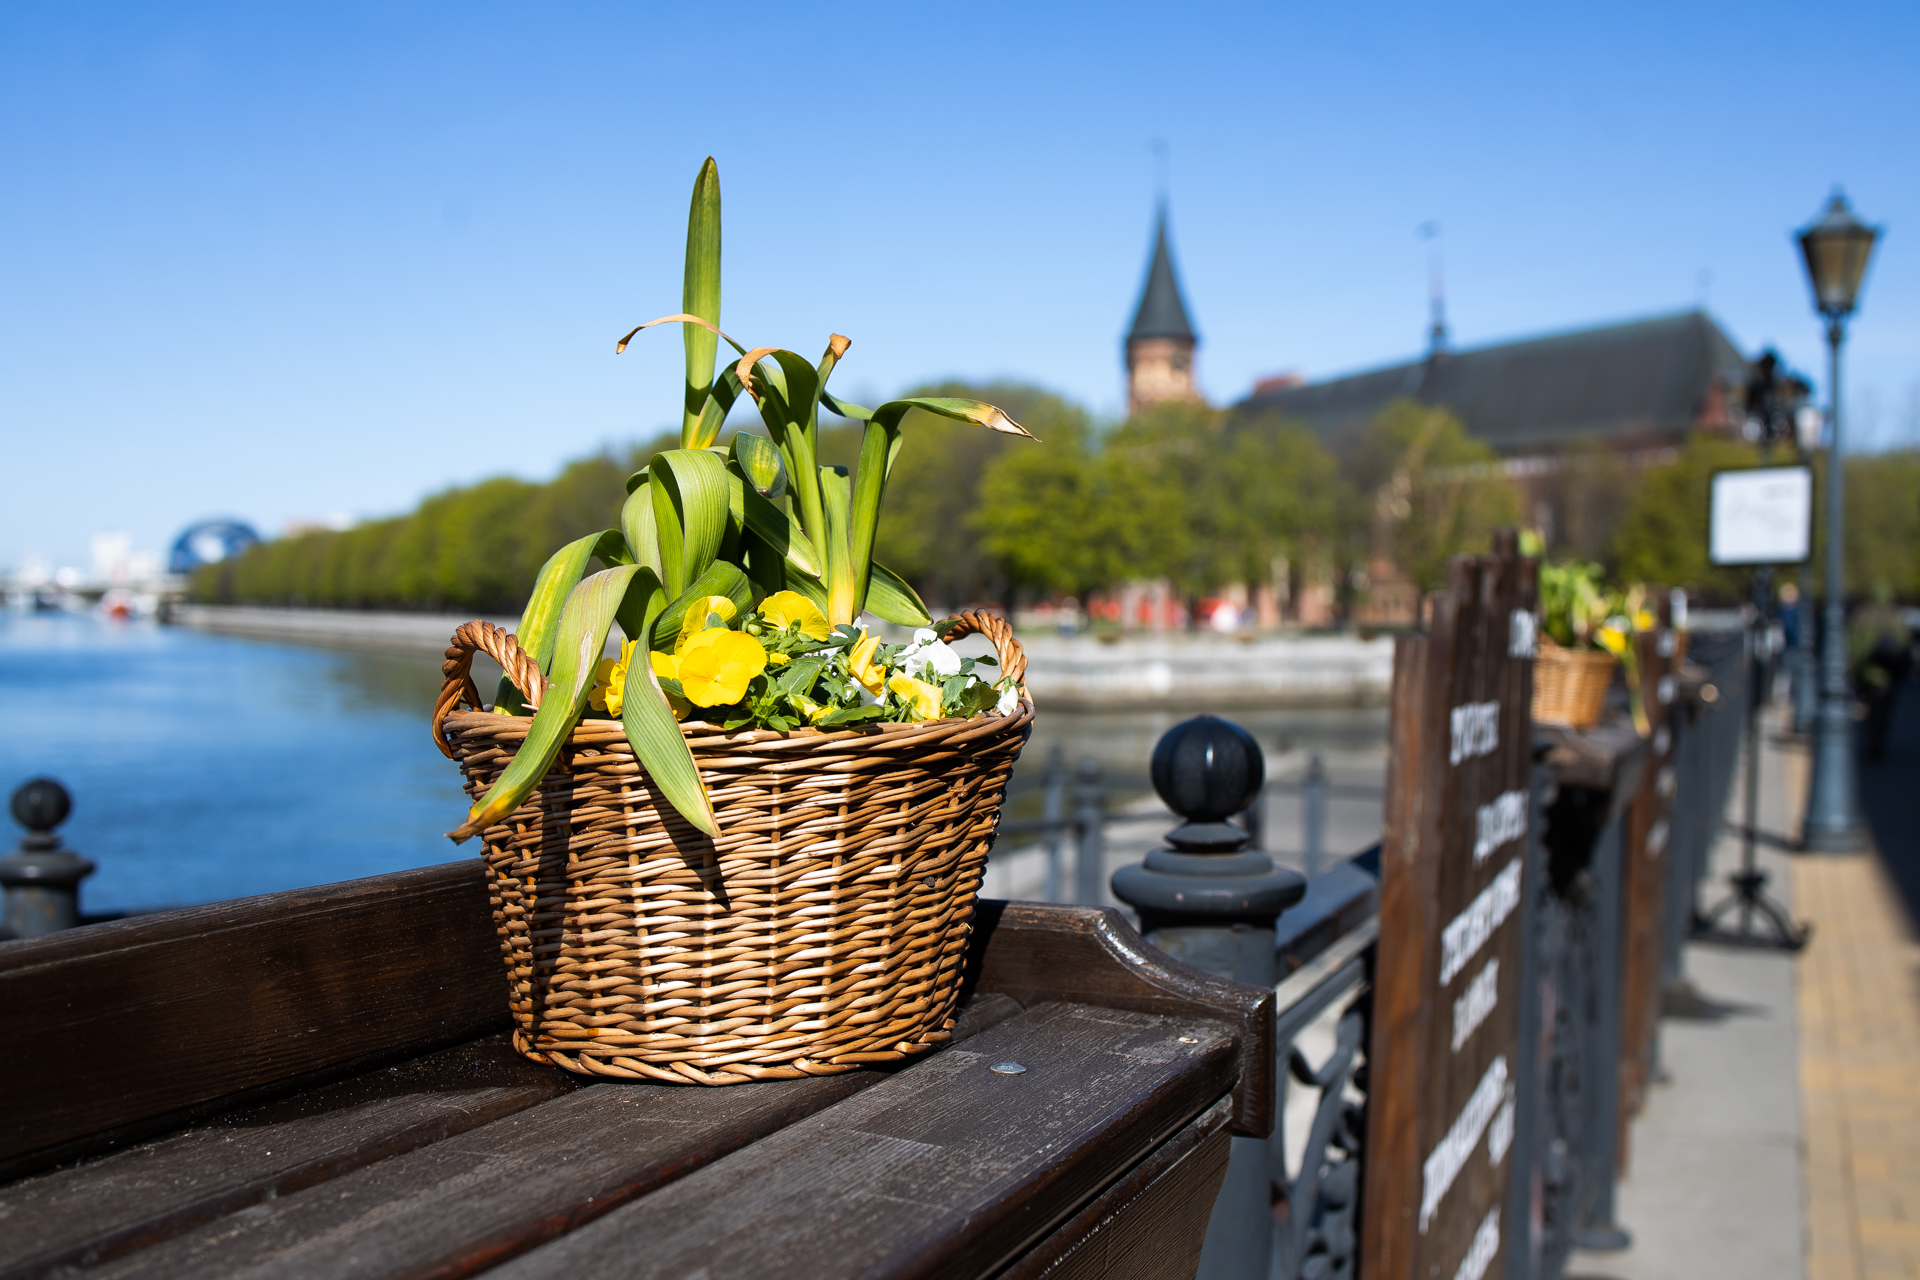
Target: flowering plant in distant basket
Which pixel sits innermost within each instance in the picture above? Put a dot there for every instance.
(1586, 628)
(747, 846)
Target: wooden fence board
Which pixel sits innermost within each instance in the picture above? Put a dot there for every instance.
(1446, 995)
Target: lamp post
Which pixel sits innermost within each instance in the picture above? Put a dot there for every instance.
(1836, 249)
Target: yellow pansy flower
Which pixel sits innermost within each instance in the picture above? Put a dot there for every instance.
(920, 697)
(1613, 640)
(696, 620)
(610, 681)
(785, 609)
(860, 662)
(716, 666)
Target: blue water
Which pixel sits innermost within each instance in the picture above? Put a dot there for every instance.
(204, 767)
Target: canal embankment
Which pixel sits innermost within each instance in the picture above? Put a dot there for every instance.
(1146, 671)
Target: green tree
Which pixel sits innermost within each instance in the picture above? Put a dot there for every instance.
(1436, 491)
(1663, 537)
(1882, 551)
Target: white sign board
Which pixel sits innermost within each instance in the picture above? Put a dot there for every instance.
(1763, 516)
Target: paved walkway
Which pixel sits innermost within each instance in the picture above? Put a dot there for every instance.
(1860, 1033)
(1714, 1190)
(1785, 1141)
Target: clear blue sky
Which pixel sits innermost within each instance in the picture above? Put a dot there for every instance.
(288, 260)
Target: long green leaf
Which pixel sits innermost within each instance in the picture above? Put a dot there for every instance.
(713, 414)
(538, 620)
(700, 296)
(843, 591)
(771, 524)
(756, 460)
(642, 605)
(662, 749)
(690, 512)
(578, 641)
(891, 599)
(786, 392)
(637, 522)
(720, 579)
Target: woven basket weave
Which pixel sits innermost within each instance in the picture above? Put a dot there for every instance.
(1570, 685)
(825, 929)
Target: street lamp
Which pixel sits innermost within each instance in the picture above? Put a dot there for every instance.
(1836, 249)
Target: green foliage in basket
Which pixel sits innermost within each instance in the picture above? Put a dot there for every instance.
(737, 572)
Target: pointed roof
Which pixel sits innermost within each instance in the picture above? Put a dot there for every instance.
(1162, 312)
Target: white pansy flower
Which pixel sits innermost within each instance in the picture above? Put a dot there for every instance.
(928, 652)
(1009, 699)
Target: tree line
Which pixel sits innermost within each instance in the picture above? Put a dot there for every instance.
(1196, 496)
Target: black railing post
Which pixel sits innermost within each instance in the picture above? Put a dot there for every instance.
(1313, 814)
(1089, 807)
(1212, 902)
(1054, 814)
(41, 879)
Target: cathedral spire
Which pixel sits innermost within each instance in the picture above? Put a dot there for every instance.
(1160, 344)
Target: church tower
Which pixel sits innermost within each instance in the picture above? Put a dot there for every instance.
(1160, 344)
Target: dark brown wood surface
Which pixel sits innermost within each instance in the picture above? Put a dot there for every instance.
(1644, 868)
(1151, 1224)
(95, 1211)
(127, 1028)
(1443, 1054)
(1091, 955)
(946, 1169)
(442, 1207)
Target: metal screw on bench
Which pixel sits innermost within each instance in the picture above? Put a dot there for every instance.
(1212, 902)
(41, 879)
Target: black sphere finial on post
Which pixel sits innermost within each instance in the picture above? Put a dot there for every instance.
(42, 880)
(1211, 901)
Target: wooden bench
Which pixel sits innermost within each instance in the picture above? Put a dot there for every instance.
(317, 1083)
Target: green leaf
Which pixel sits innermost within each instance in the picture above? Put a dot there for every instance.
(756, 460)
(637, 522)
(579, 638)
(540, 620)
(771, 524)
(850, 715)
(645, 600)
(690, 512)
(713, 414)
(843, 591)
(960, 409)
(662, 749)
(800, 675)
(786, 392)
(720, 579)
(700, 296)
(612, 549)
(890, 599)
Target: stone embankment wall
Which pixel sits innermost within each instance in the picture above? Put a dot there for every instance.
(1064, 672)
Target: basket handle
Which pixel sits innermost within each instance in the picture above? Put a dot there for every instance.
(1013, 659)
(503, 648)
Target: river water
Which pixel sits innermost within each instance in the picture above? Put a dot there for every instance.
(206, 767)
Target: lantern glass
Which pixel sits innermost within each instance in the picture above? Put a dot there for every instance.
(1836, 249)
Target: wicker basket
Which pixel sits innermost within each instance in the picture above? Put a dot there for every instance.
(1570, 685)
(826, 929)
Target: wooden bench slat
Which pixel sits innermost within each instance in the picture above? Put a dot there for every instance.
(133, 1027)
(1151, 1224)
(93, 1212)
(488, 1193)
(944, 1170)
